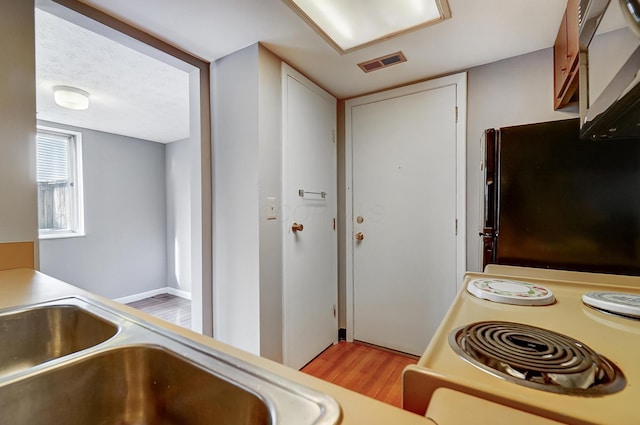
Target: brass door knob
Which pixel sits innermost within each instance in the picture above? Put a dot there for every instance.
(359, 236)
(295, 227)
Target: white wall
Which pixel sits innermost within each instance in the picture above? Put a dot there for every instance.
(19, 211)
(247, 152)
(236, 169)
(124, 250)
(178, 193)
(201, 232)
(270, 151)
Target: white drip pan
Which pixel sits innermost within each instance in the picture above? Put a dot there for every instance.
(510, 292)
(614, 302)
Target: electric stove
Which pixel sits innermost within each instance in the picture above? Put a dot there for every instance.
(527, 340)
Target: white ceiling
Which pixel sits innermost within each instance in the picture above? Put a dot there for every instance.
(129, 93)
(479, 32)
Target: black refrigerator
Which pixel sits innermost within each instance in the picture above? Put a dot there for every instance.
(554, 201)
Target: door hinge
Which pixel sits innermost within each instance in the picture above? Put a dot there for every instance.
(456, 114)
(456, 227)
(334, 310)
(334, 224)
(333, 136)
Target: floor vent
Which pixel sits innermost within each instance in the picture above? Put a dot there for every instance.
(382, 62)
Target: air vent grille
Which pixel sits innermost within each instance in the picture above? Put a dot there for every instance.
(382, 62)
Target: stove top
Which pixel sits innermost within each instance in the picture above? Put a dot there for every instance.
(536, 358)
(599, 350)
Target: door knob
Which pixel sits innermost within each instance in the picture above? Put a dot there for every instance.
(295, 227)
(359, 236)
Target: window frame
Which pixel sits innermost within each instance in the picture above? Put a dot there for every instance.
(76, 227)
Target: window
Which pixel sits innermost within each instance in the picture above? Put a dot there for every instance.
(59, 172)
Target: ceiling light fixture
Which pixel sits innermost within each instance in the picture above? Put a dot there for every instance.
(350, 25)
(71, 98)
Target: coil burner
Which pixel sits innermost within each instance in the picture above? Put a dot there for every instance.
(536, 358)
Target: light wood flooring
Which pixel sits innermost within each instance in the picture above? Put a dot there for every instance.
(368, 370)
(167, 307)
(362, 368)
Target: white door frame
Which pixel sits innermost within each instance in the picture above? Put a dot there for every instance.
(458, 80)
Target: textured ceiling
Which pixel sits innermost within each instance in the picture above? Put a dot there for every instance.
(130, 93)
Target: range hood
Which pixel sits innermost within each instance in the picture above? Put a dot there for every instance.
(615, 112)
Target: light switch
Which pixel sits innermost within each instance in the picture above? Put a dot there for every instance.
(271, 208)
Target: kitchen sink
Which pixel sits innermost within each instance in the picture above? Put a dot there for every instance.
(36, 335)
(78, 361)
(131, 385)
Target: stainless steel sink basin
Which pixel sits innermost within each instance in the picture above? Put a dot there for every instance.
(37, 335)
(131, 385)
(77, 361)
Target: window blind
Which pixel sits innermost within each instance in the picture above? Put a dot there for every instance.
(52, 158)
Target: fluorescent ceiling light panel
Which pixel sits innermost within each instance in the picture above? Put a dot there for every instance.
(350, 24)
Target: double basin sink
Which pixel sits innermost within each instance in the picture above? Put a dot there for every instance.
(76, 361)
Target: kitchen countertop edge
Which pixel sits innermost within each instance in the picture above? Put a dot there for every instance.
(19, 287)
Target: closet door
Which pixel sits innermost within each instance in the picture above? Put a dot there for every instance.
(309, 211)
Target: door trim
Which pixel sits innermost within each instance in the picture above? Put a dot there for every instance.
(460, 82)
(288, 71)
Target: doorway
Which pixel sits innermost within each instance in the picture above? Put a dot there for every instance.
(195, 150)
(405, 211)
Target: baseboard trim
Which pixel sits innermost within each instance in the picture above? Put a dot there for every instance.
(179, 293)
(148, 294)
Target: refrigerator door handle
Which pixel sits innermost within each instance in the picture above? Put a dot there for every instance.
(488, 247)
(489, 206)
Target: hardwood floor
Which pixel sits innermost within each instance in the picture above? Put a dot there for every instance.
(362, 368)
(368, 370)
(167, 307)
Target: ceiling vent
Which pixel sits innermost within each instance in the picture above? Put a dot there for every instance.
(382, 62)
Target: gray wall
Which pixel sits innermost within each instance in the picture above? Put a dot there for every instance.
(19, 211)
(124, 250)
(178, 193)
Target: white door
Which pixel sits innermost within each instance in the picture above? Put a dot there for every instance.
(309, 200)
(405, 212)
